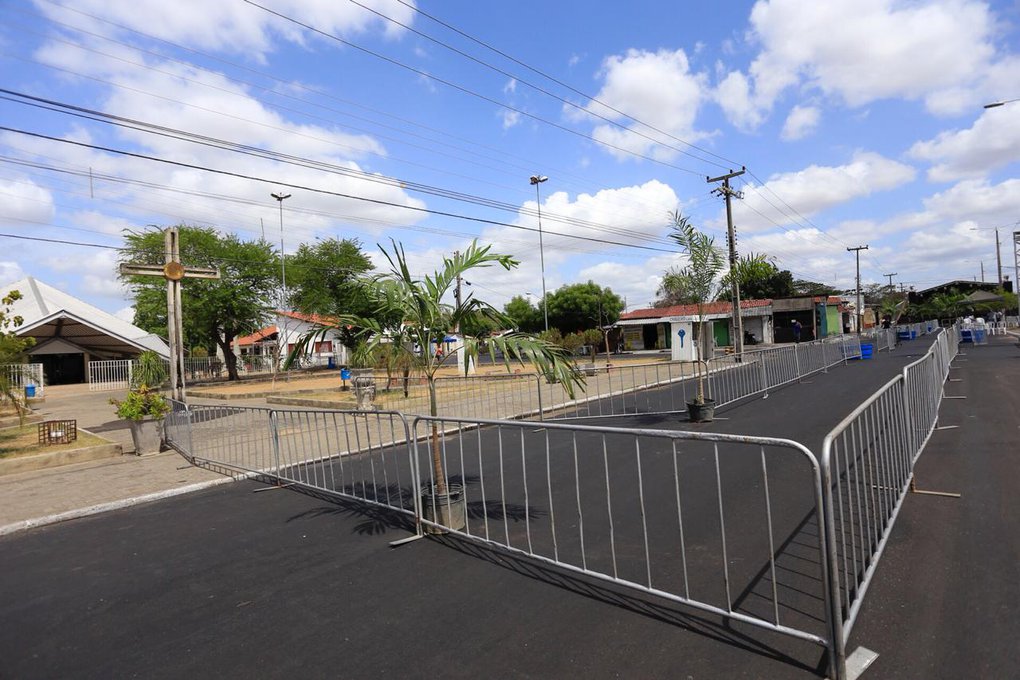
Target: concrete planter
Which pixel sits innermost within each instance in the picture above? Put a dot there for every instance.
(449, 510)
(147, 435)
(701, 413)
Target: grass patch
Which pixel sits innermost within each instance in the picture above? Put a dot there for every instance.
(24, 441)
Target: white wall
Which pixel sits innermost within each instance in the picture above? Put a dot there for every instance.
(682, 350)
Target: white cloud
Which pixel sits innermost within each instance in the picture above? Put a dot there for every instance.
(991, 142)
(801, 122)
(989, 204)
(655, 87)
(818, 188)
(510, 118)
(510, 87)
(862, 51)
(233, 26)
(24, 201)
(9, 273)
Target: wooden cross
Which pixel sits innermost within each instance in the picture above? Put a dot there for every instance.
(173, 271)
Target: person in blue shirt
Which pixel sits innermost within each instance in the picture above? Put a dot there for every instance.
(796, 330)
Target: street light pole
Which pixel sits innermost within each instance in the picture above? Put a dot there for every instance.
(282, 335)
(536, 180)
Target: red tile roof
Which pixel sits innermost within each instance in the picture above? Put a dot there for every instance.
(310, 318)
(691, 310)
(257, 336)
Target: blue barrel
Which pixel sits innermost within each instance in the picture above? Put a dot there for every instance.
(903, 335)
(330, 362)
(965, 335)
(866, 350)
(29, 391)
(913, 335)
(979, 336)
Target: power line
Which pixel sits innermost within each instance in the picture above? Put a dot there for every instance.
(465, 90)
(225, 145)
(291, 185)
(540, 89)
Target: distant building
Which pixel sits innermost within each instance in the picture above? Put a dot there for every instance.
(70, 333)
(675, 328)
(293, 326)
(819, 316)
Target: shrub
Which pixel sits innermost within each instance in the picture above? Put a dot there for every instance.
(141, 403)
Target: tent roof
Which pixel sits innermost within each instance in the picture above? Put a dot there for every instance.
(51, 313)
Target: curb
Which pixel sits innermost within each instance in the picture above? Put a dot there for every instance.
(46, 520)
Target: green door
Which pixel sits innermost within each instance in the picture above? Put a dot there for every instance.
(721, 330)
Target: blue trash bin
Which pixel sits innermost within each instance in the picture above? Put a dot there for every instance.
(345, 374)
(979, 336)
(867, 349)
(30, 391)
(330, 362)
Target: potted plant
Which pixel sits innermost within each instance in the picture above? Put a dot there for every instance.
(144, 409)
(409, 311)
(700, 281)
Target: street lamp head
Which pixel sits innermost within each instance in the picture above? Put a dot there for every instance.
(994, 104)
(280, 196)
(538, 179)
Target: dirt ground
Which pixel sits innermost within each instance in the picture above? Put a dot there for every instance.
(327, 381)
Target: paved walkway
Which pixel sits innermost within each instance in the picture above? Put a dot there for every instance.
(29, 497)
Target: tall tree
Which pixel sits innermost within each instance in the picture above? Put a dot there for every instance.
(324, 278)
(580, 306)
(12, 350)
(215, 312)
(426, 320)
(525, 316)
(805, 287)
(759, 279)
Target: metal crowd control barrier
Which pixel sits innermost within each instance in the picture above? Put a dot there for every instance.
(867, 467)
(353, 454)
(627, 389)
(725, 524)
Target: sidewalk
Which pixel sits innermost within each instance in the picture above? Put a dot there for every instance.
(42, 496)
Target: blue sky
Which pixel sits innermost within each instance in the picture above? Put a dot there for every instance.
(860, 122)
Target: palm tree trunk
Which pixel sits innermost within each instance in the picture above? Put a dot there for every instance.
(438, 473)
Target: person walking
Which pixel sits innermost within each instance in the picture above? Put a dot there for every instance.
(796, 330)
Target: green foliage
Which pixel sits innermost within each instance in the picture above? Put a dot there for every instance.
(700, 276)
(140, 403)
(525, 317)
(12, 351)
(325, 278)
(578, 306)
(422, 319)
(759, 279)
(215, 312)
(151, 370)
(805, 287)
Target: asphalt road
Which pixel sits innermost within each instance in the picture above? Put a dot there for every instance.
(233, 583)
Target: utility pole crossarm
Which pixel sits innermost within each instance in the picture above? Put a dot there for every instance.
(169, 272)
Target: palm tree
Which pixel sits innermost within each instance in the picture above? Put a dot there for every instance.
(700, 278)
(427, 320)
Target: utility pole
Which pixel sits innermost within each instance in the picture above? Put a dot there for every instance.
(860, 310)
(726, 192)
(982, 271)
(890, 279)
(1016, 268)
(998, 256)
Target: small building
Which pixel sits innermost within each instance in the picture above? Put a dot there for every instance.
(293, 326)
(70, 333)
(820, 316)
(675, 328)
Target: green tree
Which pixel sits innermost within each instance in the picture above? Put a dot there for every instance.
(215, 312)
(426, 319)
(525, 316)
(580, 306)
(759, 279)
(700, 277)
(324, 278)
(805, 287)
(12, 350)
